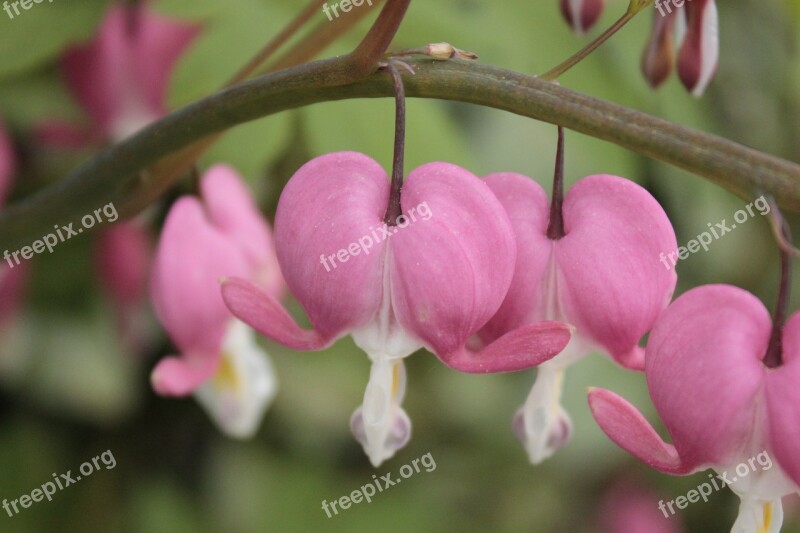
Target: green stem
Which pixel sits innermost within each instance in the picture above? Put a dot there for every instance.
(113, 175)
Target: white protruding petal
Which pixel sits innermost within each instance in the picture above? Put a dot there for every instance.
(380, 424)
(542, 425)
(709, 48)
(243, 386)
(759, 516)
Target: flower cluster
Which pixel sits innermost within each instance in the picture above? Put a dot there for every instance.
(692, 24)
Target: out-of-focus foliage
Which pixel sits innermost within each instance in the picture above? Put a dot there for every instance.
(68, 392)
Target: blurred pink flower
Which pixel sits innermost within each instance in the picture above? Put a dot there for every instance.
(120, 78)
(219, 362)
(430, 283)
(720, 404)
(603, 276)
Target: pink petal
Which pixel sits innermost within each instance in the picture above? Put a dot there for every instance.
(704, 370)
(233, 211)
(261, 311)
(334, 203)
(8, 164)
(522, 348)
(157, 45)
(626, 426)
(699, 54)
(450, 273)
(123, 261)
(612, 286)
(528, 210)
(581, 14)
(64, 135)
(190, 259)
(180, 376)
(783, 402)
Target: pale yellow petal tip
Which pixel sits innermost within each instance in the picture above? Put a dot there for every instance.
(223, 280)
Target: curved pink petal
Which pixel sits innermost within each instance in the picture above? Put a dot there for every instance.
(232, 209)
(123, 261)
(191, 257)
(699, 54)
(520, 349)
(263, 312)
(626, 426)
(450, 273)
(528, 210)
(180, 376)
(97, 71)
(704, 370)
(329, 240)
(783, 402)
(611, 284)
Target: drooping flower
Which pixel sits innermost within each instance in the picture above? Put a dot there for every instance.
(581, 14)
(429, 278)
(120, 78)
(695, 27)
(722, 406)
(602, 276)
(219, 362)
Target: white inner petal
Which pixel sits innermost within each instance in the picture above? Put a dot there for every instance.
(380, 424)
(243, 387)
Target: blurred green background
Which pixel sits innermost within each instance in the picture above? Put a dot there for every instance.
(68, 392)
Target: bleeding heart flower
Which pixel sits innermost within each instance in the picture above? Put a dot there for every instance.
(432, 280)
(581, 14)
(721, 405)
(696, 24)
(602, 276)
(120, 78)
(219, 361)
